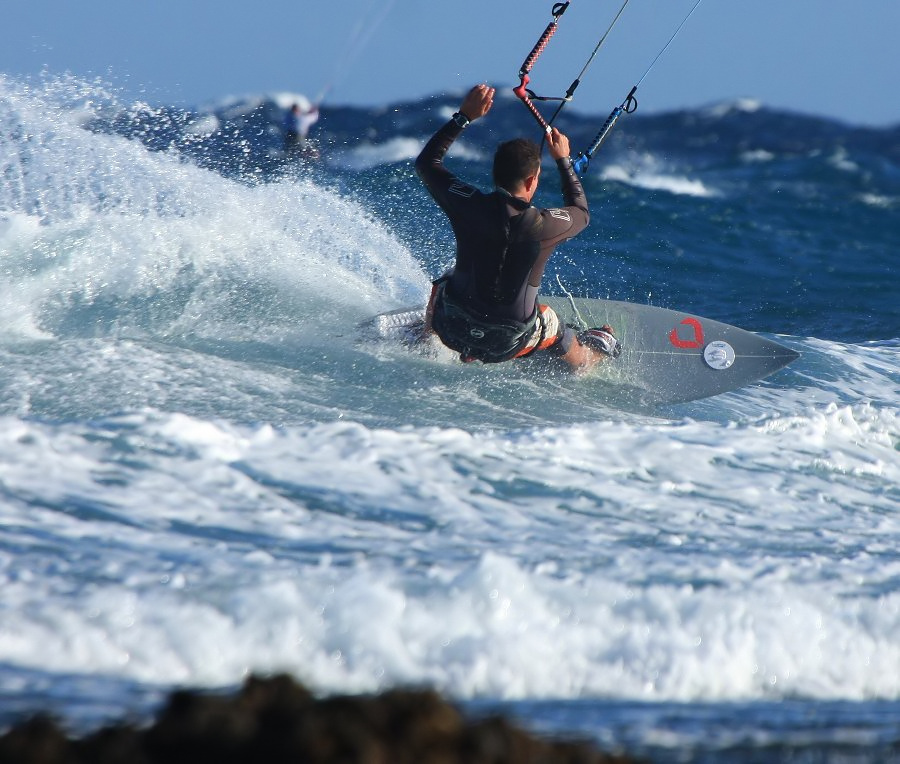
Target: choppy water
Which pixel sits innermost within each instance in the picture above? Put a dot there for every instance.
(205, 472)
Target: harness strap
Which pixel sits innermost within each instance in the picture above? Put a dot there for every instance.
(475, 334)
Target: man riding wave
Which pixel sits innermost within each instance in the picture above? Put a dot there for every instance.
(486, 306)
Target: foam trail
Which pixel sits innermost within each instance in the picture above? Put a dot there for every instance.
(101, 235)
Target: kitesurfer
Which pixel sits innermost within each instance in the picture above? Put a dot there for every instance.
(297, 123)
(486, 306)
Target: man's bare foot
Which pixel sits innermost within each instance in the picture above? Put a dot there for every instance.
(591, 347)
(581, 358)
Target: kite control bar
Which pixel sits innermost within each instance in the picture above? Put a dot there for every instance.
(627, 106)
(522, 92)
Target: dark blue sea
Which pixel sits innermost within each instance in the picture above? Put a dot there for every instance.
(207, 471)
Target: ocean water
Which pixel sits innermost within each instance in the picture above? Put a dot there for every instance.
(206, 471)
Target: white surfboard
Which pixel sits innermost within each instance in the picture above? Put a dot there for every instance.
(667, 356)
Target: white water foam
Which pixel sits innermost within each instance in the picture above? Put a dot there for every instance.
(174, 516)
(89, 220)
(198, 551)
(647, 174)
(395, 150)
(737, 106)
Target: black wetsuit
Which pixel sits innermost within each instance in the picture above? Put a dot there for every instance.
(502, 243)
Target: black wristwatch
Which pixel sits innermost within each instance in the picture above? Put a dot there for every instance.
(461, 119)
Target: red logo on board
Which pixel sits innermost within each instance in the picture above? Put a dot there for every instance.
(697, 330)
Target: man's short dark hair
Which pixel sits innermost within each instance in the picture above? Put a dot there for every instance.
(514, 161)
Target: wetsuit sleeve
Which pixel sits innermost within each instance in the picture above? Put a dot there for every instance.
(430, 166)
(564, 223)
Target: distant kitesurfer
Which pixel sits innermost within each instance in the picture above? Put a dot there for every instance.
(297, 123)
(486, 306)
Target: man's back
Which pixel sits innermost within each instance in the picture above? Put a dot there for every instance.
(502, 242)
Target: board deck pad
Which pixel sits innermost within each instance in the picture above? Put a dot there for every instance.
(667, 356)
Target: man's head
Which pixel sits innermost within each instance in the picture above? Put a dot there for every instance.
(517, 165)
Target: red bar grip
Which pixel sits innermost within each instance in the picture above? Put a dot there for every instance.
(522, 95)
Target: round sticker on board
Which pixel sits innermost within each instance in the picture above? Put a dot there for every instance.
(718, 355)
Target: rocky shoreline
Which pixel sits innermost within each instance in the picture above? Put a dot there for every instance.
(276, 719)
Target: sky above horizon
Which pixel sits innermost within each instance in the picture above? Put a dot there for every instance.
(833, 58)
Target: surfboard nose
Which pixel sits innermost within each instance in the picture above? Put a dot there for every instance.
(781, 354)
